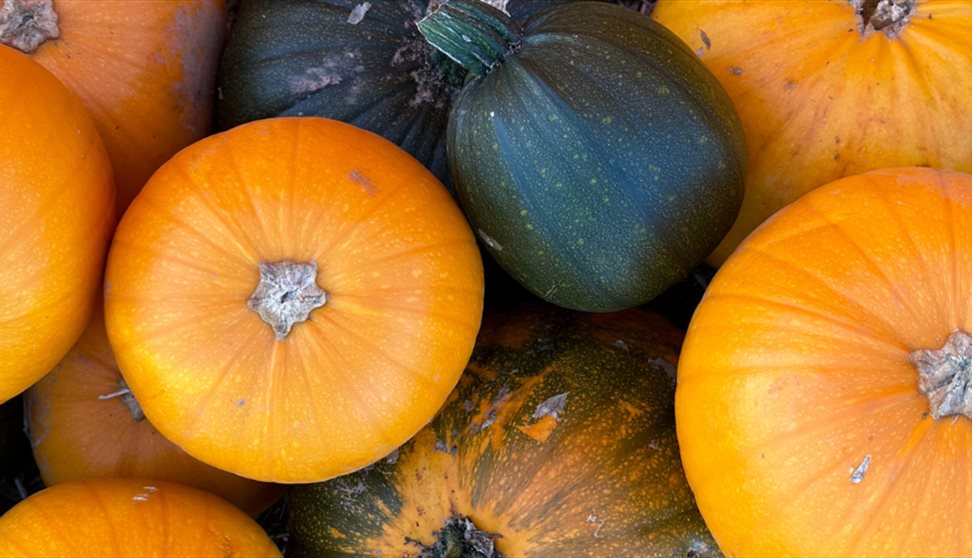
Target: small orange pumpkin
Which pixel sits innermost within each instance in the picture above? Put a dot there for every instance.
(292, 299)
(827, 89)
(145, 70)
(84, 423)
(823, 406)
(57, 202)
(125, 517)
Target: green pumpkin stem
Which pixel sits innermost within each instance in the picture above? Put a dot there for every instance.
(474, 34)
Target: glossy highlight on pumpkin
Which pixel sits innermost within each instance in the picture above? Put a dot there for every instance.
(822, 94)
(802, 427)
(124, 518)
(346, 211)
(57, 201)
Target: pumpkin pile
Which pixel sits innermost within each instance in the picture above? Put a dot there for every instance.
(485, 279)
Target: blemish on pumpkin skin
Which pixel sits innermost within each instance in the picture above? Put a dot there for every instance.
(357, 15)
(857, 474)
(360, 179)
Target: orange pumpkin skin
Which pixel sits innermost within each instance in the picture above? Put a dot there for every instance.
(83, 425)
(57, 202)
(146, 71)
(394, 255)
(819, 100)
(801, 427)
(125, 517)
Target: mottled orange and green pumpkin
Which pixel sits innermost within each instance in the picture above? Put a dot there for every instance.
(558, 441)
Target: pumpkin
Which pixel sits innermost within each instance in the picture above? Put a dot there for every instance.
(146, 71)
(821, 88)
(821, 408)
(558, 441)
(292, 299)
(84, 423)
(595, 156)
(127, 517)
(58, 200)
(360, 62)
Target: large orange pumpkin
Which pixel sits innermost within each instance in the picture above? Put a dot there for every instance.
(145, 70)
(84, 423)
(56, 215)
(827, 89)
(823, 404)
(124, 518)
(292, 299)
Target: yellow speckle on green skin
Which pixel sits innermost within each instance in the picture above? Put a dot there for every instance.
(581, 242)
(663, 90)
(593, 181)
(523, 212)
(607, 120)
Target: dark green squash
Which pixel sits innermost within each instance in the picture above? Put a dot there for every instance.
(306, 57)
(558, 441)
(598, 159)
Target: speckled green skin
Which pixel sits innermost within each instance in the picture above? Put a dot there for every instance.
(600, 161)
(606, 482)
(303, 58)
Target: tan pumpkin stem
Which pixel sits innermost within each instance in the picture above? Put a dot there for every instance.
(945, 376)
(460, 538)
(889, 16)
(286, 294)
(26, 24)
(125, 396)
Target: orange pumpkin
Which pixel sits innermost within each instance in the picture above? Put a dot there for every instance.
(823, 406)
(126, 518)
(292, 299)
(145, 70)
(835, 88)
(84, 423)
(57, 203)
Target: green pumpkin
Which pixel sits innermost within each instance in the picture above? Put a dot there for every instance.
(597, 158)
(335, 59)
(558, 441)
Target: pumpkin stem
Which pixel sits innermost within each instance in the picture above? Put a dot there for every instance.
(945, 376)
(125, 395)
(26, 24)
(286, 294)
(460, 538)
(889, 16)
(474, 34)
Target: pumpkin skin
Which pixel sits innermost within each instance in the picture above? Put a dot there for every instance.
(83, 424)
(58, 212)
(801, 427)
(395, 257)
(300, 58)
(594, 472)
(124, 517)
(819, 100)
(146, 72)
(595, 196)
